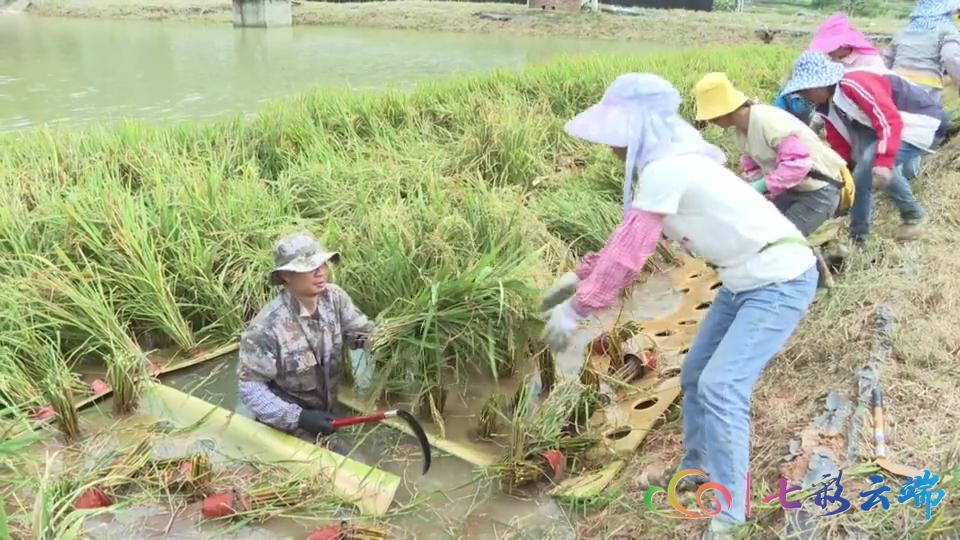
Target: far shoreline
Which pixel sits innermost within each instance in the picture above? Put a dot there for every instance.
(668, 27)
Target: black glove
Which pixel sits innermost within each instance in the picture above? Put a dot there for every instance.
(315, 422)
(359, 341)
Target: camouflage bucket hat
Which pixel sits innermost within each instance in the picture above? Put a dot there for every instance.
(299, 252)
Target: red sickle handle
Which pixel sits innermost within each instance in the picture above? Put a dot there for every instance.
(354, 420)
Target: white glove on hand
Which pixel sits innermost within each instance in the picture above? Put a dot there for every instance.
(561, 326)
(882, 176)
(563, 288)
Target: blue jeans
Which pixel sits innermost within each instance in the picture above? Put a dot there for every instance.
(738, 336)
(899, 189)
(912, 168)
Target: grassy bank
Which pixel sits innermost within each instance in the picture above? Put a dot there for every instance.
(661, 26)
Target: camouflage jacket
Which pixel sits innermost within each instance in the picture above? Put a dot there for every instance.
(290, 359)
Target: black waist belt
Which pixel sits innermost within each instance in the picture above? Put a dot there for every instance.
(817, 175)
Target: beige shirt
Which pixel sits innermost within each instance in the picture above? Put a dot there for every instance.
(769, 126)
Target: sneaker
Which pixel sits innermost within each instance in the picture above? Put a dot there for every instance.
(909, 231)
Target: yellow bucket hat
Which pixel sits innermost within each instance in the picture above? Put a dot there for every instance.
(716, 96)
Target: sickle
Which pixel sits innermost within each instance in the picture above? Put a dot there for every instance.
(381, 415)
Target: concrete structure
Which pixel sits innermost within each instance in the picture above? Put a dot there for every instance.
(262, 13)
(555, 5)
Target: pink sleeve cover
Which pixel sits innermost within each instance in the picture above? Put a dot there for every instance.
(604, 274)
(793, 166)
(751, 171)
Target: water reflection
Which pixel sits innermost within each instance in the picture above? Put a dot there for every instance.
(75, 71)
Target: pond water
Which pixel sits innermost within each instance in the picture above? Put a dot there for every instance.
(76, 71)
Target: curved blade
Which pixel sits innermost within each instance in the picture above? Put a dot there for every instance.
(421, 437)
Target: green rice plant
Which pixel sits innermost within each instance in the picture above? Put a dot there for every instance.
(53, 516)
(579, 214)
(148, 284)
(18, 389)
(57, 387)
(461, 314)
(22, 364)
(115, 229)
(76, 298)
(503, 146)
(125, 373)
(15, 436)
(489, 418)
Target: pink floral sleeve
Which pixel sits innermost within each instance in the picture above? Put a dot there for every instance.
(751, 171)
(604, 274)
(586, 265)
(793, 166)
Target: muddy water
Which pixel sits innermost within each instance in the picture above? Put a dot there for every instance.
(78, 71)
(452, 501)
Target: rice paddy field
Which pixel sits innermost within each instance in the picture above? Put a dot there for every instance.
(454, 206)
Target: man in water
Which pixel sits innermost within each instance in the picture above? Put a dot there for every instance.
(290, 353)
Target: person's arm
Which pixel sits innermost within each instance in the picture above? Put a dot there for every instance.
(889, 54)
(619, 262)
(258, 366)
(781, 102)
(950, 56)
(793, 165)
(586, 266)
(357, 328)
(751, 171)
(872, 93)
(604, 274)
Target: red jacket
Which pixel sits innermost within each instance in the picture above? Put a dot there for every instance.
(873, 95)
(895, 109)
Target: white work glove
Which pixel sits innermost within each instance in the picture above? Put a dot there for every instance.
(561, 326)
(563, 288)
(882, 176)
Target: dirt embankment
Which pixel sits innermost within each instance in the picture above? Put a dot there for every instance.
(663, 26)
